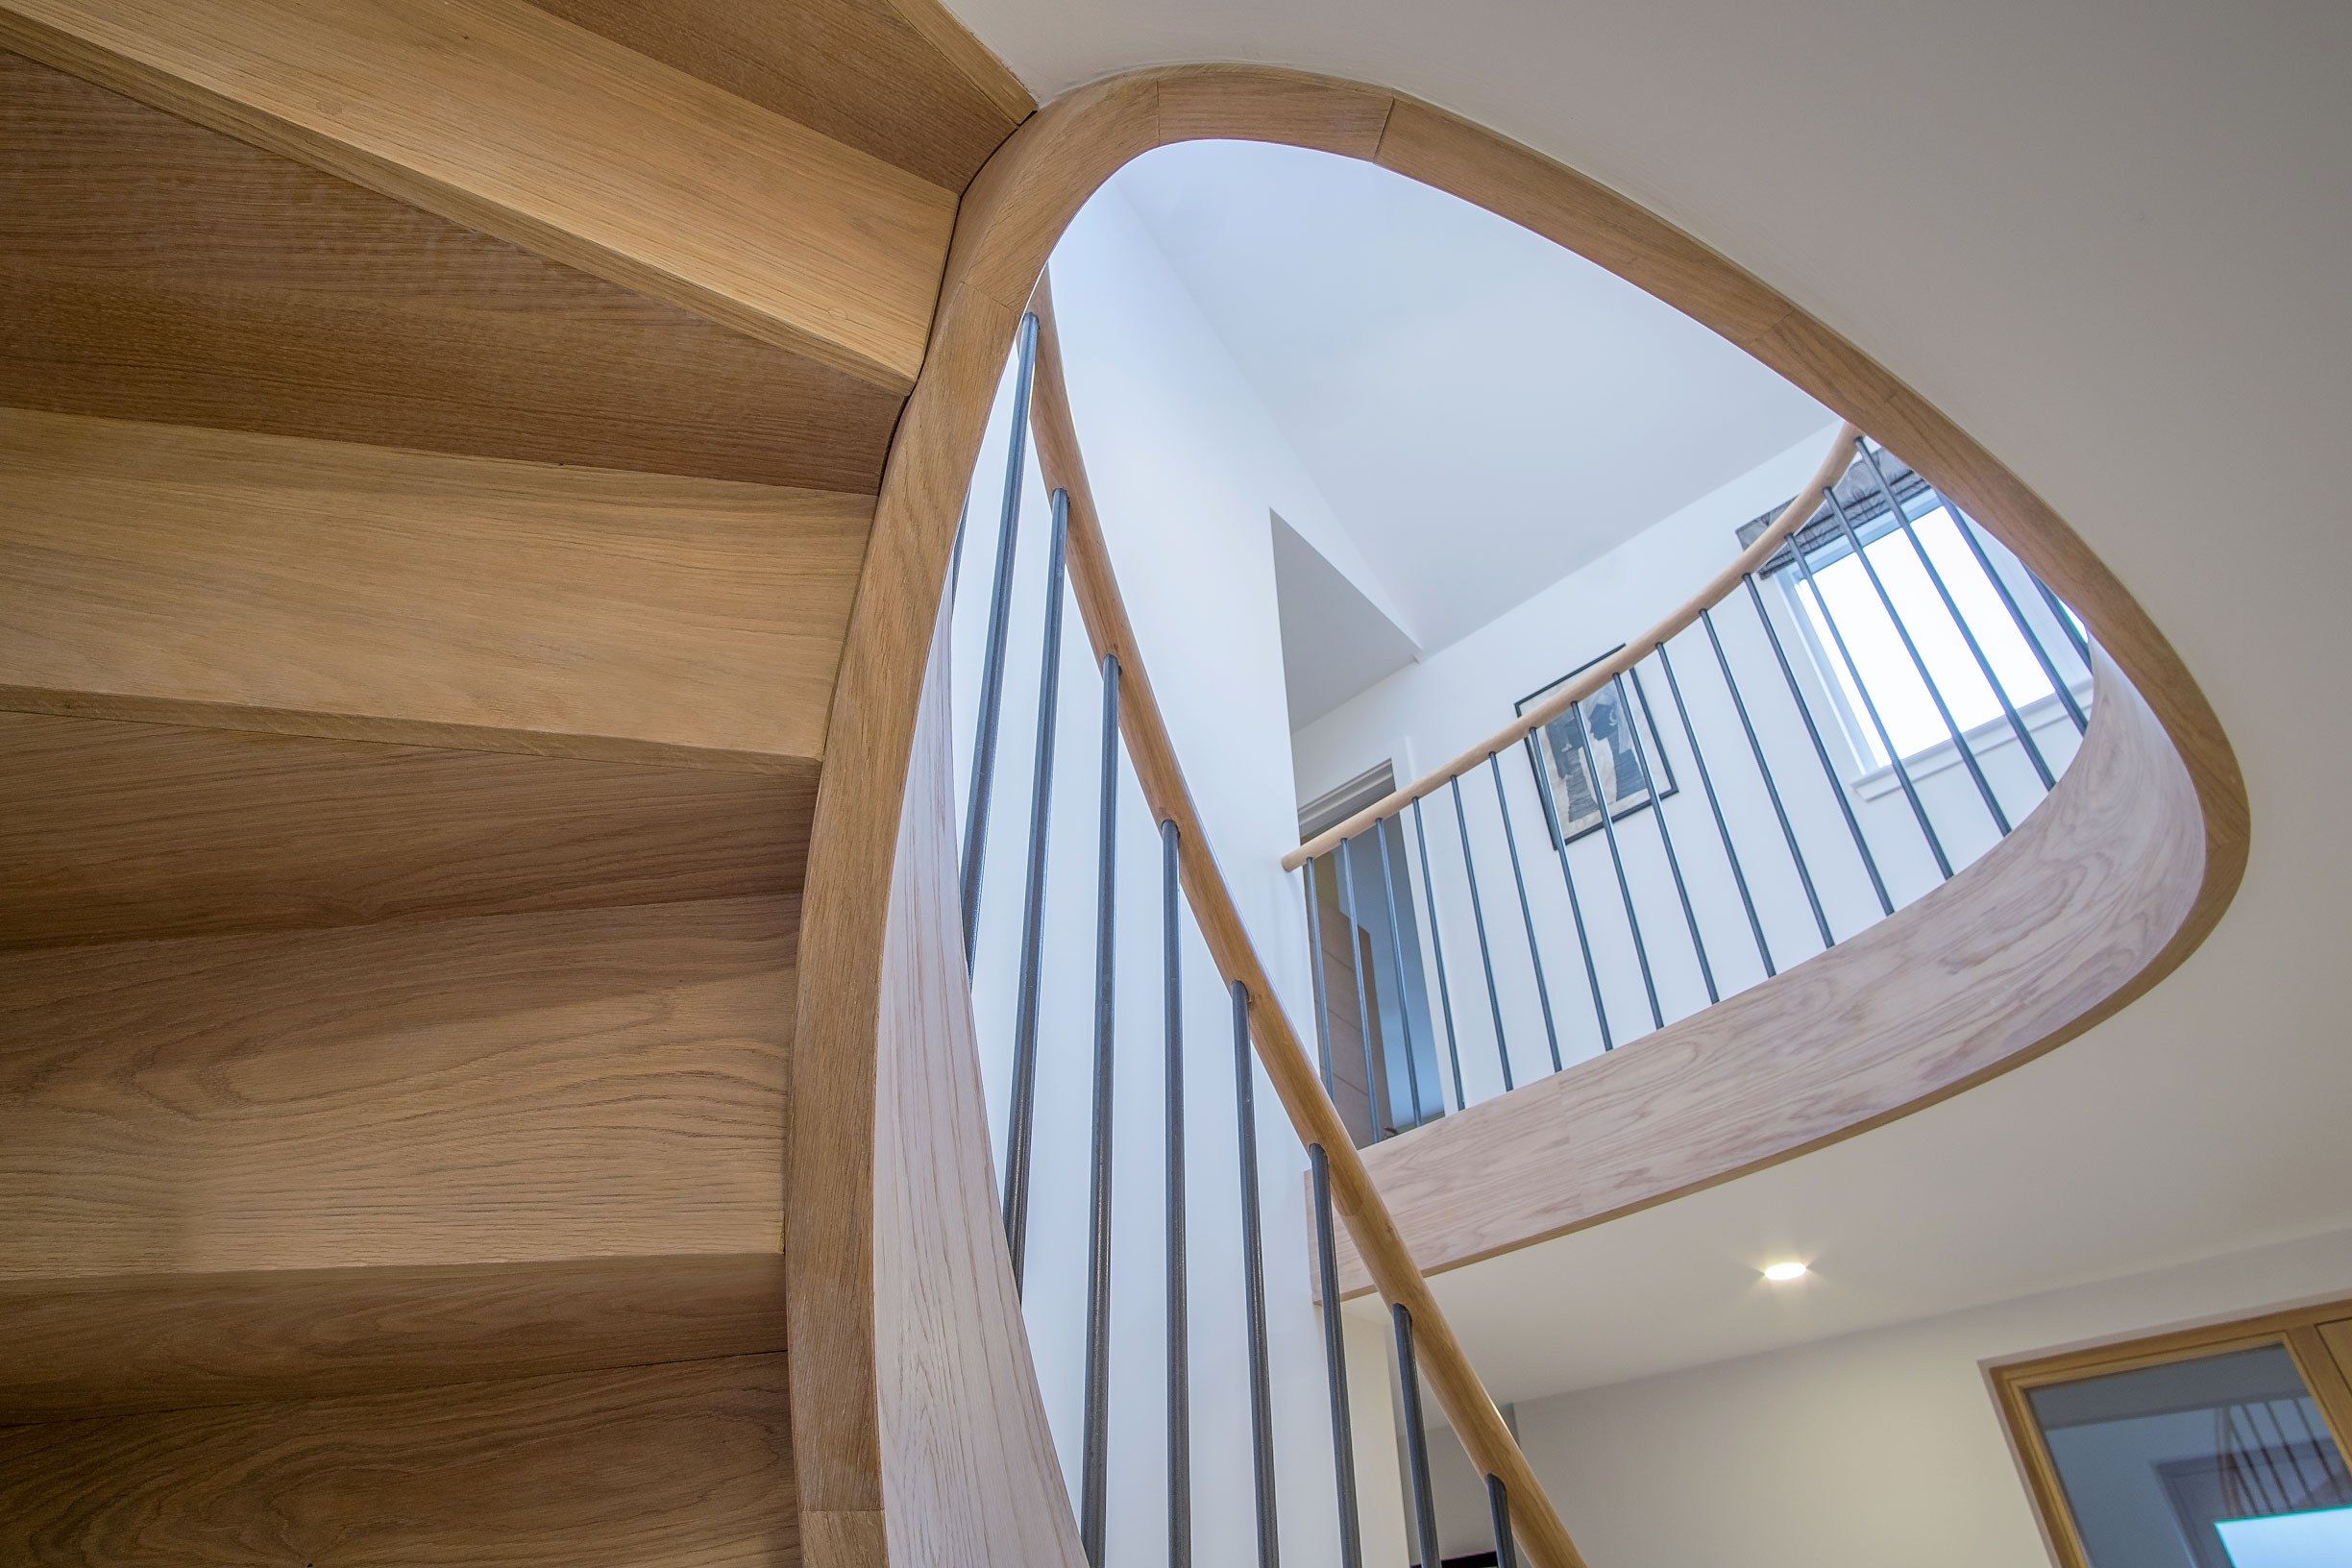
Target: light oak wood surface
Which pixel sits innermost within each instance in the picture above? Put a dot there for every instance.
(113, 831)
(683, 1465)
(1012, 213)
(154, 269)
(505, 118)
(164, 572)
(503, 1089)
(2019, 952)
(118, 1344)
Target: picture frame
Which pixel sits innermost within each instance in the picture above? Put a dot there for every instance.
(1565, 756)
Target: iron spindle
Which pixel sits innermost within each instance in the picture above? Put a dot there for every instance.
(1576, 905)
(1830, 772)
(1253, 1281)
(992, 656)
(1416, 1440)
(1772, 789)
(2016, 613)
(1657, 809)
(1498, 1511)
(1335, 1362)
(1706, 787)
(1477, 917)
(1445, 993)
(1374, 1081)
(1023, 1113)
(2064, 617)
(1093, 1488)
(1624, 888)
(1527, 914)
(1322, 1001)
(1396, 956)
(1179, 1314)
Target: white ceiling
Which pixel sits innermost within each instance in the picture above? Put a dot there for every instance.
(1485, 411)
(2124, 272)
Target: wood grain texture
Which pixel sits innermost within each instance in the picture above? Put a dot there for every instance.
(120, 1345)
(868, 73)
(113, 832)
(502, 117)
(505, 1088)
(154, 269)
(167, 572)
(1012, 214)
(686, 1465)
(2020, 951)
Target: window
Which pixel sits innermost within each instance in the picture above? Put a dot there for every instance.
(2216, 1449)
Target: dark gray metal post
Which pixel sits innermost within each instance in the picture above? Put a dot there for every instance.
(1322, 1001)
(1527, 914)
(1334, 1363)
(1396, 958)
(1772, 789)
(1253, 1281)
(1382, 1118)
(1624, 888)
(1498, 1513)
(1445, 993)
(1179, 1311)
(1706, 785)
(2016, 612)
(1416, 1440)
(1576, 905)
(1477, 917)
(1093, 1485)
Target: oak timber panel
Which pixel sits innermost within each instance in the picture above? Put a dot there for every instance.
(123, 1344)
(501, 117)
(856, 70)
(684, 1465)
(154, 269)
(113, 831)
(500, 1088)
(158, 572)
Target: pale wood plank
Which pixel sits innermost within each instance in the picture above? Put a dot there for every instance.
(505, 1088)
(502, 117)
(157, 572)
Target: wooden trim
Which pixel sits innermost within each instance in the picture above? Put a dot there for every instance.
(1012, 214)
(974, 60)
(1793, 516)
(2295, 1328)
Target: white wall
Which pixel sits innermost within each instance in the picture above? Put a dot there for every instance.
(1434, 710)
(1876, 1450)
(1188, 472)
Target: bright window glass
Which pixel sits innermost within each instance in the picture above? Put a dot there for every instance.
(2289, 1541)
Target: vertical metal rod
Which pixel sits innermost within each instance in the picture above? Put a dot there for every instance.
(1498, 1512)
(1830, 772)
(1477, 917)
(992, 657)
(1625, 888)
(1919, 662)
(1094, 1486)
(1416, 1440)
(1374, 1112)
(2016, 612)
(1022, 1114)
(1634, 718)
(1253, 1279)
(1870, 708)
(1396, 957)
(1952, 608)
(1179, 1309)
(2065, 621)
(1445, 993)
(1526, 916)
(1322, 1001)
(1755, 749)
(1576, 905)
(1706, 785)
(1334, 1363)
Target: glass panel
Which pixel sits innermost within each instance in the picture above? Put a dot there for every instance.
(2222, 1461)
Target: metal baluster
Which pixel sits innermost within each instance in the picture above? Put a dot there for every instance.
(1374, 1112)
(1022, 1114)
(1625, 888)
(1706, 785)
(1322, 1001)
(1396, 957)
(1919, 662)
(1334, 1363)
(1445, 993)
(1526, 916)
(2065, 621)
(2016, 612)
(1093, 1488)
(992, 657)
(1498, 1512)
(1805, 711)
(1576, 905)
(1755, 749)
(1416, 1440)
(1178, 1314)
(1477, 917)
(1253, 1280)
(1634, 718)
(1952, 608)
(1870, 707)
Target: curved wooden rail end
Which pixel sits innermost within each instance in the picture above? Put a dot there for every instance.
(865, 1435)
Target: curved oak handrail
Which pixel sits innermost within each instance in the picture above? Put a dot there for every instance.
(1793, 516)
(866, 1433)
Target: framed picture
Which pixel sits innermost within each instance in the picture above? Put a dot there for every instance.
(1591, 756)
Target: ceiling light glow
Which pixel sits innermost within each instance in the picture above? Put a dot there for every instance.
(1783, 1273)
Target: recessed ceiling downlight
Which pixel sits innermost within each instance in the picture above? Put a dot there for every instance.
(1783, 1273)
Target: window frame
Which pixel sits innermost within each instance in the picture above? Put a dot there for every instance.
(2327, 1376)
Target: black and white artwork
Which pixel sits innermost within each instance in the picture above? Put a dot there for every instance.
(1591, 754)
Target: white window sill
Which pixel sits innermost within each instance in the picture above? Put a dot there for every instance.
(1985, 740)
